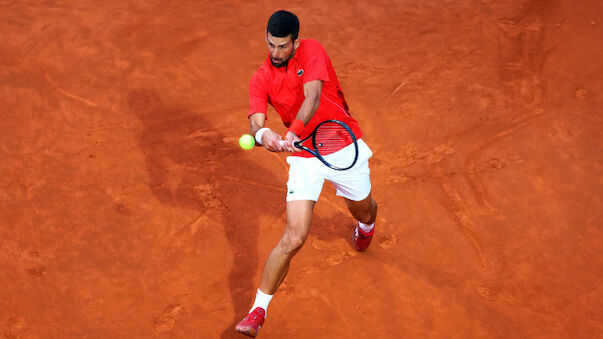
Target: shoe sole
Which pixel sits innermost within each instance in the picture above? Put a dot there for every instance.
(248, 331)
(359, 250)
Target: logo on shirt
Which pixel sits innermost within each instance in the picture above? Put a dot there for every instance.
(300, 72)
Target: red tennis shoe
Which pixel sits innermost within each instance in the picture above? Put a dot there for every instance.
(252, 322)
(362, 240)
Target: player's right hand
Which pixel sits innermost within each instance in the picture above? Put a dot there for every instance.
(272, 142)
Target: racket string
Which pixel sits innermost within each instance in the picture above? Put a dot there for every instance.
(331, 138)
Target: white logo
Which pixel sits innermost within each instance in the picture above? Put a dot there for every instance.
(300, 72)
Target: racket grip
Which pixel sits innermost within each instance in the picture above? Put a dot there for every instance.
(282, 142)
(297, 144)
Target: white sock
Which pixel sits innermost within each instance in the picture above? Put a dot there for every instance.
(261, 300)
(365, 227)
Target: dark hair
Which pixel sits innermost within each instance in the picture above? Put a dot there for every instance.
(283, 23)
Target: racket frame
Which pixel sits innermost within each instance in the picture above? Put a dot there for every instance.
(314, 152)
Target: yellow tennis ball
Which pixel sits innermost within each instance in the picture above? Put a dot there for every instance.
(246, 141)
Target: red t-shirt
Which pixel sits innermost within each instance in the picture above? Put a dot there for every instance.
(283, 88)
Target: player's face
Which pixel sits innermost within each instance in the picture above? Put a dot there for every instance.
(281, 49)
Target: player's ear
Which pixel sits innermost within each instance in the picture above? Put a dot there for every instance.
(296, 43)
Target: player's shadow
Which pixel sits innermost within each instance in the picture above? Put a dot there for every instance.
(187, 160)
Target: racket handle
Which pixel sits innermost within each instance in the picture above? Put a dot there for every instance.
(282, 142)
(296, 144)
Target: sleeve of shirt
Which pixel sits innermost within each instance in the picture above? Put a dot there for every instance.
(315, 67)
(258, 95)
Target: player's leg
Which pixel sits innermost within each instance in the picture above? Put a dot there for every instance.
(354, 185)
(303, 189)
(365, 210)
(299, 218)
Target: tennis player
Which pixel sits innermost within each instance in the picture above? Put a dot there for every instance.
(299, 81)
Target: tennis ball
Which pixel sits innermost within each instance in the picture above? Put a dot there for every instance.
(246, 141)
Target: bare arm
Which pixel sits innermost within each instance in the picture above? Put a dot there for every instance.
(270, 139)
(256, 121)
(312, 91)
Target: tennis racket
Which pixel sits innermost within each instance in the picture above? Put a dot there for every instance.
(326, 140)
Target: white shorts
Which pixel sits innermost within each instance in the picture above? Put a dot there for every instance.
(307, 176)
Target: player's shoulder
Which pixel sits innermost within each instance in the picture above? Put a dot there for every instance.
(262, 72)
(310, 48)
(310, 44)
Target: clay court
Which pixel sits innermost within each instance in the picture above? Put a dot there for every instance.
(128, 210)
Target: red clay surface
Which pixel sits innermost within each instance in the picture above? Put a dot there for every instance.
(129, 211)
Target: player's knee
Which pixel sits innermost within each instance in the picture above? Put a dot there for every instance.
(292, 242)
